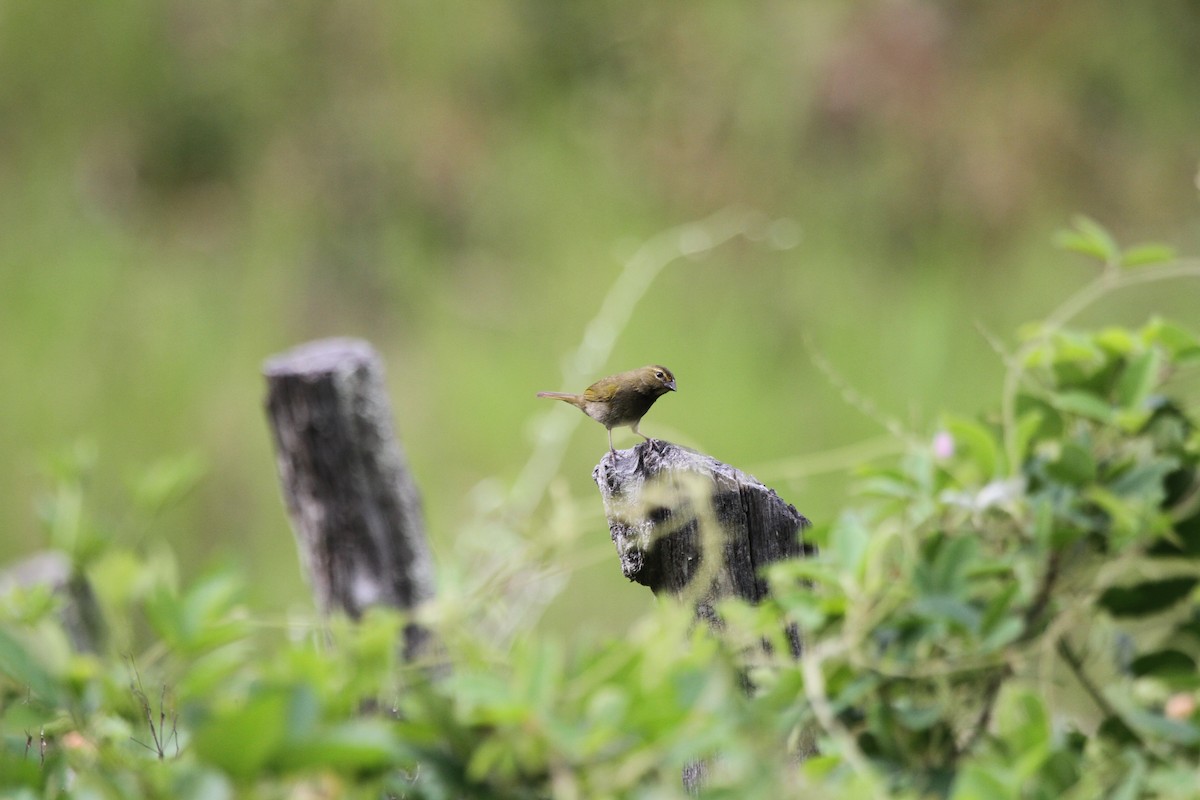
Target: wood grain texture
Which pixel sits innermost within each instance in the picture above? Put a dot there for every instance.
(352, 500)
(659, 497)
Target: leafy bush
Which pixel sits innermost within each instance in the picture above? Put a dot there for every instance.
(1010, 611)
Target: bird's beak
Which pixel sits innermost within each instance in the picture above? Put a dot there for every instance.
(670, 385)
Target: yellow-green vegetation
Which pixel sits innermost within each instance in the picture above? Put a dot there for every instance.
(188, 188)
(809, 211)
(1010, 609)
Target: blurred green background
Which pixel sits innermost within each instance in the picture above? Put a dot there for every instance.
(189, 188)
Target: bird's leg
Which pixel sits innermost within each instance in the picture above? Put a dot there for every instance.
(611, 449)
(639, 433)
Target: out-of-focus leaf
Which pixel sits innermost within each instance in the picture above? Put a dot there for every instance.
(1118, 341)
(1075, 465)
(1115, 729)
(357, 745)
(1076, 348)
(1162, 663)
(23, 670)
(978, 441)
(976, 782)
(1146, 254)
(950, 558)
(1148, 597)
(1131, 420)
(1084, 404)
(950, 609)
(1123, 516)
(242, 738)
(1144, 480)
(1027, 427)
(1184, 540)
(1130, 787)
(71, 464)
(999, 609)
(1178, 341)
(167, 482)
(1157, 726)
(1024, 722)
(194, 783)
(848, 542)
(1139, 378)
(919, 718)
(202, 618)
(1088, 237)
(1005, 632)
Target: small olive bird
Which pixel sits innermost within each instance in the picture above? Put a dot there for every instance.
(621, 399)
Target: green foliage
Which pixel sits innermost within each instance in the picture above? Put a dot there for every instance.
(1010, 611)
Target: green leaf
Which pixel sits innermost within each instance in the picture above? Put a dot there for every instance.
(166, 483)
(848, 541)
(196, 783)
(1144, 480)
(950, 609)
(1130, 787)
(950, 558)
(1118, 341)
(202, 618)
(1146, 598)
(1000, 607)
(1027, 427)
(1083, 404)
(1159, 727)
(977, 782)
(357, 745)
(1089, 238)
(1007, 631)
(1146, 254)
(1075, 465)
(1115, 729)
(1163, 663)
(979, 441)
(240, 739)
(20, 667)
(919, 718)
(1176, 339)
(1122, 514)
(1139, 378)
(1024, 723)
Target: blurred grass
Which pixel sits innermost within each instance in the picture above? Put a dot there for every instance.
(188, 189)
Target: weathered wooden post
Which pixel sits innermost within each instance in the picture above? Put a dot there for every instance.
(650, 499)
(353, 503)
(693, 527)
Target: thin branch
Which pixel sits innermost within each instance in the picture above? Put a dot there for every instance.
(836, 459)
(1044, 593)
(853, 397)
(818, 699)
(985, 714)
(1093, 691)
(1035, 611)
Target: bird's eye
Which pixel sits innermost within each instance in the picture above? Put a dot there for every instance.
(658, 375)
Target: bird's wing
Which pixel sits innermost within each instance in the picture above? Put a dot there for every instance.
(600, 391)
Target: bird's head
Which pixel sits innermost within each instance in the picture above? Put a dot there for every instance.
(658, 379)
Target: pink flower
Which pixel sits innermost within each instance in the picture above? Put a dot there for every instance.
(943, 445)
(1180, 706)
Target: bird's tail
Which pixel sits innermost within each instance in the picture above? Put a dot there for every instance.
(573, 399)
